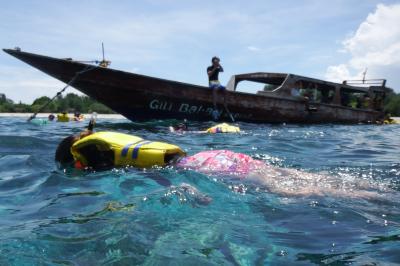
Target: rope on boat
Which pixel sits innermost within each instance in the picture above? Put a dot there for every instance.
(86, 69)
(229, 113)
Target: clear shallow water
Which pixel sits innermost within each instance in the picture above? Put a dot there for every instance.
(131, 216)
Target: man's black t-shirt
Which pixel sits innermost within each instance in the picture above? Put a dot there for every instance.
(214, 75)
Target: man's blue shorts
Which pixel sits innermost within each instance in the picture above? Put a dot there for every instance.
(215, 84)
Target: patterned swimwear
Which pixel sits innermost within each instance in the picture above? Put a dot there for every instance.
(221, 162)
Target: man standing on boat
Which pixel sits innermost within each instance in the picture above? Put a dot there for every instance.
(214, 84)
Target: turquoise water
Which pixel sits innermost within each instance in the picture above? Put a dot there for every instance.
(132, 216)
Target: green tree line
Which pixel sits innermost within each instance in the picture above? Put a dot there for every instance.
(84, 104)
(68, 103)
(392, 104)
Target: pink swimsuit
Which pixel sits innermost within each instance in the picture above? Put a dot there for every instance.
(221, 162)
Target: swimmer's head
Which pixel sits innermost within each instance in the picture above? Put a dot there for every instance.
(179, 127)
(63, 152)
(182, 127)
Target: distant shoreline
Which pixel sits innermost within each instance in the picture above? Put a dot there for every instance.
(101, 116)
(45, 115)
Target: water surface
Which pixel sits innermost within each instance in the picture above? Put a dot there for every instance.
(130, 216)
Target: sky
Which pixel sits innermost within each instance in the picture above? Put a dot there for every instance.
(332, 40)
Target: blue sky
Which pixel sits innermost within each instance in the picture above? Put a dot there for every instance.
(175, 39)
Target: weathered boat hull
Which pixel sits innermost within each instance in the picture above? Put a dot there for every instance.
(139, 97)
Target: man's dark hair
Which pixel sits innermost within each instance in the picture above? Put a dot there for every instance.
(214, 58)
(63, 152)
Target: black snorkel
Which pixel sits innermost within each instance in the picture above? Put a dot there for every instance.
(92, 122)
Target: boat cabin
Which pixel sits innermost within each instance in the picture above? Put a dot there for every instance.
(360, 94)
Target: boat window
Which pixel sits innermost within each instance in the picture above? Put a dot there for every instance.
(354, 98)
(316, 92)
(253, 87)
(270, 87)
(256, 86)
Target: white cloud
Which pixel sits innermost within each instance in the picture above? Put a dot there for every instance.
(338, 73)
(23, 84)
(376, 46)
(253, 49)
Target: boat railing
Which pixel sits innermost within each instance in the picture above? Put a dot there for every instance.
(366, 82)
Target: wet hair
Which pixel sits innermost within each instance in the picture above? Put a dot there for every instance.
(63, 152)
(214, 58)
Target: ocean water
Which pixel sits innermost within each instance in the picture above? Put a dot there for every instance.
(52, 216)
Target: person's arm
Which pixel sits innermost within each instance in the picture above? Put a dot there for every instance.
(89, 130)
(211, 72)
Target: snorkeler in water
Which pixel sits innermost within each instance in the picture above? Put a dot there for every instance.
(283, 181)
(219, 128)
(180, 127)
(63, 153)
(105, 150)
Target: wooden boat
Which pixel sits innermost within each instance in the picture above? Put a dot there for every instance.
(139, 97)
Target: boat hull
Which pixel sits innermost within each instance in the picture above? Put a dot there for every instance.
(140, 97)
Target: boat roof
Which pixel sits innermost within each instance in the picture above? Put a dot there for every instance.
(267, 77)
(278, 78)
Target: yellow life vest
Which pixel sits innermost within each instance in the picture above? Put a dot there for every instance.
(223, 128)
(62, 118)
(389, 121)
(127, 150)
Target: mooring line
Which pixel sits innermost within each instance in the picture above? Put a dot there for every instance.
(86, 69)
